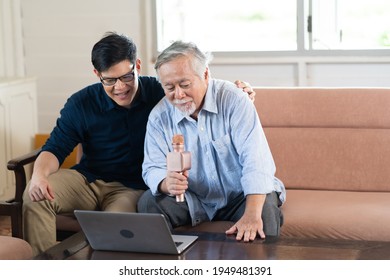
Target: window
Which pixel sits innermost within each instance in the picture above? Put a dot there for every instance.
(277, 25)
(224, 25)
(350, 24)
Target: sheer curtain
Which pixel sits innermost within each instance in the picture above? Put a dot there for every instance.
(11, 42)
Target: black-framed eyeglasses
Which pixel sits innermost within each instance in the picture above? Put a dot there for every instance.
(127, 78)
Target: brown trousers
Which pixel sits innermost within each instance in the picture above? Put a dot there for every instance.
(71, 191)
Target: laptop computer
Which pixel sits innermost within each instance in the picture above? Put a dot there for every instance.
(131, 232)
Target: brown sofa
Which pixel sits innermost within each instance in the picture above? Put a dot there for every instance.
(331, 148)
(332, 151)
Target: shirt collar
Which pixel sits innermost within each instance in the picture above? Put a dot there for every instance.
(107, 103)
(210, 100)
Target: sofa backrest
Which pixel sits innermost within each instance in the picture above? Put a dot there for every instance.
(328, 138)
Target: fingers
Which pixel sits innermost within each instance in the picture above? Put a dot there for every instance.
(249, 90)
(49, 195)
(241, 84)
(246, 234)
(38, 194)
(231, 230)
(246, 87)
(249, 235)
(176, 182)
(237, 83)
(252, 95)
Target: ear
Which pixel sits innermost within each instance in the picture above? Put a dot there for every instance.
(138, 65)
(206, 74)
(96, 73)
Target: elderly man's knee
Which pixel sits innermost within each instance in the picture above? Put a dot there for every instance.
(145, 201)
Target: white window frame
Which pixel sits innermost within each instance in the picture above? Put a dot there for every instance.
(304, 45)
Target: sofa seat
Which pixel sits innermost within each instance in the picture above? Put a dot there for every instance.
(325, 214)
(328, 215)
(337, 215)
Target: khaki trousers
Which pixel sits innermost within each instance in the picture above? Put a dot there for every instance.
(71, 191)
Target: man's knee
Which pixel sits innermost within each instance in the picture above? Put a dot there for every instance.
(145, 202)
(272, 215)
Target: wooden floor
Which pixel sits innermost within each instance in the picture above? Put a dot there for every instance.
(5, 225)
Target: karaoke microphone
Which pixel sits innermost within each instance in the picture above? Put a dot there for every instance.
(178, 160)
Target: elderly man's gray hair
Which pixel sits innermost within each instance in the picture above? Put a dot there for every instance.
(179, 48)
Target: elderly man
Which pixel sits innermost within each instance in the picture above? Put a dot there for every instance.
(232, 169)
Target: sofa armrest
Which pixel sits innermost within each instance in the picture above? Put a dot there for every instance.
(13, 206)
(17, 165)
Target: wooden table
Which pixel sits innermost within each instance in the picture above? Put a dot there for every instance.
(218, 246)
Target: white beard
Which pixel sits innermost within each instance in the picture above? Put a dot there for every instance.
(188, 109)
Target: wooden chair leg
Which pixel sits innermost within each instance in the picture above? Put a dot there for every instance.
(14, 211)
(16, 222)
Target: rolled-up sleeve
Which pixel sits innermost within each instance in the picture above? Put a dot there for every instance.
(258, 167)
(65, 135)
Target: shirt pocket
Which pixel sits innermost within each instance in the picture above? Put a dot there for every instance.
(226, 154)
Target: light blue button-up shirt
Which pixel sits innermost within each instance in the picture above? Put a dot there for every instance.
(229, 152)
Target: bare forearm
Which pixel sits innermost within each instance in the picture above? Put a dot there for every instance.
(254, 204)
(46, 164)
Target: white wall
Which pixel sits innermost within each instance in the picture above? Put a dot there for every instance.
(58, 36)
(58, 39)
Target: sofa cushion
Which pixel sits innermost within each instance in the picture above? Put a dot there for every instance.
(336, 215)
(323, 107)
(345, 159)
